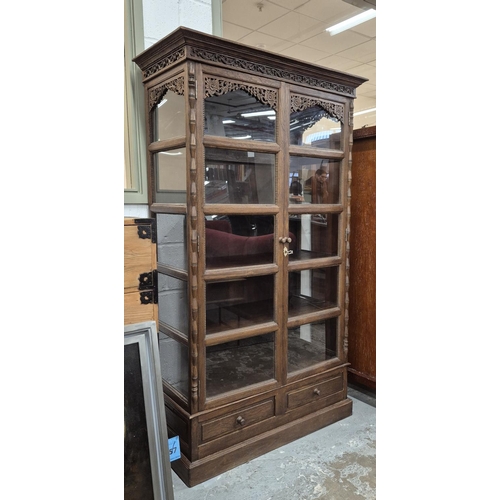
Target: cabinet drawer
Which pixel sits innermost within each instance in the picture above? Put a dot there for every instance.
(237, 420)
(314, 392)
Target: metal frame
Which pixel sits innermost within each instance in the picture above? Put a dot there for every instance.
(144, 335)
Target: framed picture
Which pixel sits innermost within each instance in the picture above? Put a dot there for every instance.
(147, 463)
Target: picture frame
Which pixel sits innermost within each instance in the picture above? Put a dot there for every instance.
(147, 471)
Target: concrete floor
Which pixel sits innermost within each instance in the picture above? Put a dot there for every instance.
(334, 463)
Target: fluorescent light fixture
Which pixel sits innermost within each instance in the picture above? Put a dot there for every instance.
(364, 111)
(351, 22)
(243, 137)
(271, 117)
(162, 102)
(259, 113)
(170, 154)
(228, 121)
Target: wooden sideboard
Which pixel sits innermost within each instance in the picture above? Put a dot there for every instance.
(362, 289)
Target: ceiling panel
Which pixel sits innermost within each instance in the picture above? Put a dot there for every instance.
(293, 26)
(247, 14)
(335, 44)
(296, 28)
(328, 10)
(266, 42)
(304, 53)
(364, 52)
(234, 32)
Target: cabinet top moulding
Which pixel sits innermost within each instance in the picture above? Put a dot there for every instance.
(185, 44)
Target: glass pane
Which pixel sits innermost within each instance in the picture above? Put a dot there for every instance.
(174, 363)
(238, 115)
(239, 240)
(315, 127)
(171, 240)
(239, 303)
(315, 235)
(169, 117)
(173, 302)
(239, 364)
(170, 172)
(312, 290)
(239, 176)
(311, 343)
(314, 180)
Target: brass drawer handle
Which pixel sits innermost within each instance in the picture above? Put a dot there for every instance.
(317, 392)
(240, 420)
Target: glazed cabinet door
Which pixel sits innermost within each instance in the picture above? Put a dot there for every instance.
(240, 208)
(316, 218)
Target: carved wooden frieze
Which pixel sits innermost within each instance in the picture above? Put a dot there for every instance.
(156, 94)
(217, 86)
(165, 62)
(299, 103)
(271, 71)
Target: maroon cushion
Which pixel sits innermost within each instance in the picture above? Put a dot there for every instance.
(220, 225)
(223, 244)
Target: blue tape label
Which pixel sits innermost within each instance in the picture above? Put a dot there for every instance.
(175, 448)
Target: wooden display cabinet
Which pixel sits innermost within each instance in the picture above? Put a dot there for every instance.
(249, 172)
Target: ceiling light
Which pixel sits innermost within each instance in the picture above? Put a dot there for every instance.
(365, 111)
(353, 21)
(228, 121)
(170, 154)
(259, 113)
(243, 137)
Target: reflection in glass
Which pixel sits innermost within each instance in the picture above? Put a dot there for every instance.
(239, 176)
(239, 303)
(173, 302)
(239, 240)
(238, 115)
(169, 117)
(311, 343)
(314, 180)
(315, 127)
(239, 364)
(171, 240)
(174, 363)
(312, 290)
(316, 235)
(170, 172)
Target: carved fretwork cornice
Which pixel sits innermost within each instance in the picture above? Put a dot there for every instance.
(299, 103)
(263, 69)
(165, 62)
(156, 94)
(217, 86)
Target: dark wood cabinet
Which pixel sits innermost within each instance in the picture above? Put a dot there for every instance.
(362, 272)
(249, 170)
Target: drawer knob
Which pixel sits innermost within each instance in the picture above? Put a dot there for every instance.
(240, 420)
(317, 392)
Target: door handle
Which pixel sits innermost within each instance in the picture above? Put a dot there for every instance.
(287, 252)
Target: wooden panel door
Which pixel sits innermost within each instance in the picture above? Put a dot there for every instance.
(362, 328)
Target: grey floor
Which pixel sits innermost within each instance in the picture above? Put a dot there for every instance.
(334, 463)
